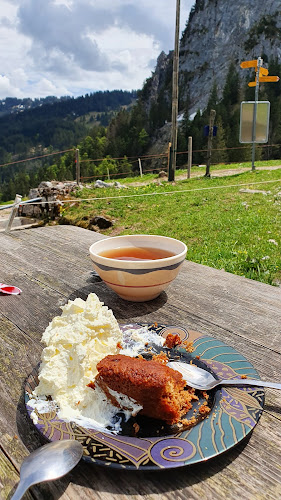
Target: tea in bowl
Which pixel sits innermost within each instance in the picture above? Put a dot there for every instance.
(138, 267)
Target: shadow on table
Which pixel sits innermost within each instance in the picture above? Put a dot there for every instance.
(122, 309)
(146, 483)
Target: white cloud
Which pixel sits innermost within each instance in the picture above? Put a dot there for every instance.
(7, 89)
(73, 47)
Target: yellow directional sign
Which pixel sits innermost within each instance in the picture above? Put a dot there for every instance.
(269, 78)
(263, 72)
(264, 79)
(249, 64)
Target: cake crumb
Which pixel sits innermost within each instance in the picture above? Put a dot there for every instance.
(188, 346)
(204, 409)
(136, 428)
(189, 422)
(172, 340)
(161, 358)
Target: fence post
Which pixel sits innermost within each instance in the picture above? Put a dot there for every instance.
(189, 159)
(77, 161)
(168, 156)
(140, 167)
(13, 212)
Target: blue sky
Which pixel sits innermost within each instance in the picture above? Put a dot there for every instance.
(71, 47)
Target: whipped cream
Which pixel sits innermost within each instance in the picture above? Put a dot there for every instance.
(76, 341)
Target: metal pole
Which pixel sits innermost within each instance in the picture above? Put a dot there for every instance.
(140, 167)
(77, 166)
(260, 61)
(189, 161)
(175, 90)
(13, 212)
(210, 139)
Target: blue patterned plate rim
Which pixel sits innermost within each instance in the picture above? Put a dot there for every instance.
(235, 413)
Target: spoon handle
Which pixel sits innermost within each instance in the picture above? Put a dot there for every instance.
(247, 381)
(20, 491)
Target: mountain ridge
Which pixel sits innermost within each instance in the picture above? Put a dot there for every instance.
(218, 34)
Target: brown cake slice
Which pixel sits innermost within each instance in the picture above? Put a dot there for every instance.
(160, 390)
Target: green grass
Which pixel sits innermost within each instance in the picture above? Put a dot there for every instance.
(200, 170)
(221, 226)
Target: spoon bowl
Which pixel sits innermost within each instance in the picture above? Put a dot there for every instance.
(203, 380)
(49, 462)
(9, 289)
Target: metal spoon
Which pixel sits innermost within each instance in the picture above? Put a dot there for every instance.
(201, 379)
(51, 461)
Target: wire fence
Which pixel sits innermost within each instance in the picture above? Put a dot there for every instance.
(154, 193)
(35, 158)
(136, 158)
(55, 202)
(111, 175)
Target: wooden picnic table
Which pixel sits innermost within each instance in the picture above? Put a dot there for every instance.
(51, 265)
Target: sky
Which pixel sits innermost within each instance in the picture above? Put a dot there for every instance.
(74, 47)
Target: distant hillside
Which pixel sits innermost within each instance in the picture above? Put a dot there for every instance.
(15, 105)
(62, 106)
(25, 124)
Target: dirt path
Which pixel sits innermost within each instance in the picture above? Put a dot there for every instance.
(214, 173)
(4, 214)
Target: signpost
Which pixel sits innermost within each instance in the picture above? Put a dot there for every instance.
(246, 121)
(261, 76)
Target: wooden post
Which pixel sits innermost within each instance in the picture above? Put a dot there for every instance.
(13, 212)
(140, 167)
(77, 166)
(168, 156)
(175, 92)
(210, 139)
(108, 176)
(189, 159)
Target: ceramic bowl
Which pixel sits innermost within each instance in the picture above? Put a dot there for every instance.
(138, 280)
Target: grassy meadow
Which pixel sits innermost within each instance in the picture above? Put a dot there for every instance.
(222, 226)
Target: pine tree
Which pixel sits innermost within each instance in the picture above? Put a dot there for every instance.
(219, 153)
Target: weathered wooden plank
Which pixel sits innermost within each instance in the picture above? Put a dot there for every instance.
(266, 440)
(8, 476)
(208, 293)
(51, 264)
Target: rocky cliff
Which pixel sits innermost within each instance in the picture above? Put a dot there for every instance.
(217, 34)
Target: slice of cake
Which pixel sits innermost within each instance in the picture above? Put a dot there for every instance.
(160, 390)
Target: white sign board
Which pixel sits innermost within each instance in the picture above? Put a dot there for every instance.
(247, 118)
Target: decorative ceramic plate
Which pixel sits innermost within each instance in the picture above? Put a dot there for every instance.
(235, 412)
